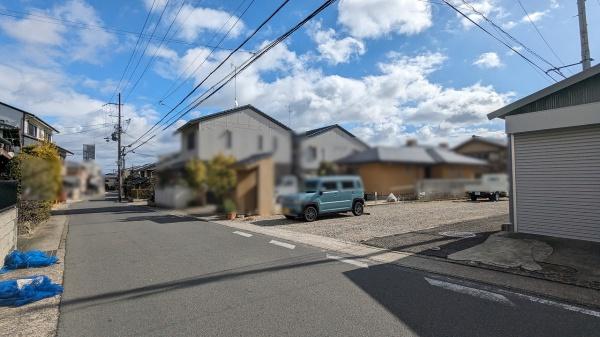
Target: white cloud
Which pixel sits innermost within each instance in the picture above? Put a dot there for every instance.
(380, 107)
(32, 30)
(535, 16)
(488, 60)
(54, 40)
(193, 21)
(335, 50)
(375, 18)
(472, 10)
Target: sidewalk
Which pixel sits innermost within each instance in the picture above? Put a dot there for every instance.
(39, 318)
(548, 289)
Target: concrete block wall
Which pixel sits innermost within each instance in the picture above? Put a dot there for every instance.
(8, 231)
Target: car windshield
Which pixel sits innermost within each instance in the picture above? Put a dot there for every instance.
(310, 186)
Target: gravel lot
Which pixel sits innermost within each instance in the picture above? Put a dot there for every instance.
(389, 219)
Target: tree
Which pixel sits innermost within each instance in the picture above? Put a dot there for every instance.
(37, 168)
(221, 177)
(195, 176)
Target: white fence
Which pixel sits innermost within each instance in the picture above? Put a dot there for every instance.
(173, 196)
(8, 231)
(443, 188)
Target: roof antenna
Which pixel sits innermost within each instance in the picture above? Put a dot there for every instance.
(235, 84)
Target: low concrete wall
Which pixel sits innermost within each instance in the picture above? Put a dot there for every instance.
(443, 188)
(8, 231)
(173, 196)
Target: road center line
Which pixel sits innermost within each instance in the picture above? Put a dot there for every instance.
(282, 244)
(247, 235)
(349, 261)
(484, 294)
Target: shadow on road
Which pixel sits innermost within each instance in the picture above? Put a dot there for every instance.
(284, 221)
(161, 219)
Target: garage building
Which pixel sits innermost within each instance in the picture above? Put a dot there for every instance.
(554, 158)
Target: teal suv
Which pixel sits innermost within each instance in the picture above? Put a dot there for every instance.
(322, 195)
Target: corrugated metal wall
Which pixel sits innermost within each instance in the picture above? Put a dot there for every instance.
(558, 182)
(587, 91)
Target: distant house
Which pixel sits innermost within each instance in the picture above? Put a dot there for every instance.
(242, 132)
(326, 144)
(398, 169)
(554, 147)
(492, 150)
(22, 128)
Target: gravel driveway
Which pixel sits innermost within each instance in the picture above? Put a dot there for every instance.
(388, 219)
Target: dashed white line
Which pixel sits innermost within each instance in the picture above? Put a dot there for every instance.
(282, 244)
(246, 235)
(349, 261)
(484, 294)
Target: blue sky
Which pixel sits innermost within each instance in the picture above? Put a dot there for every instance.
(388, 70)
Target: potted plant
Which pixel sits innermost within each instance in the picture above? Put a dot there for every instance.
(230, 209)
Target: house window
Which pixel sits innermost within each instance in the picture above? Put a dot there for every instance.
(275, 144)
(228, 139)
(312, 153)
(260, 142)
(191, 141)
(31, 130)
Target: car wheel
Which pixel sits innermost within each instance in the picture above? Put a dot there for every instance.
(310, 213)
(473, 197)
(358, 208)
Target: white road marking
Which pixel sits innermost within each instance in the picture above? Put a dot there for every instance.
(247, 235)
(349, 261)
(498, 291)
(282, 244)
(564, 306)
(484, 294)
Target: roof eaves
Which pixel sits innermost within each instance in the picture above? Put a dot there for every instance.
(506, 110)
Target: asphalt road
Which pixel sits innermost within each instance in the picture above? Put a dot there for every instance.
(135, 271)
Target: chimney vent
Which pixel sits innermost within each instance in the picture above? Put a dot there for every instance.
(444, 145)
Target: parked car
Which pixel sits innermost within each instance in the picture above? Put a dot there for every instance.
(322, 195)
(491, 186)
(288, 185)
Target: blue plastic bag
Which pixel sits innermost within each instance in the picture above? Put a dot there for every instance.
(15, 293)
(32, 258)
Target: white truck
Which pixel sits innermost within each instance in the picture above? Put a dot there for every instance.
(491, 186)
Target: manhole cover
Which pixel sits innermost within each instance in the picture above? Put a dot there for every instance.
(455, 234)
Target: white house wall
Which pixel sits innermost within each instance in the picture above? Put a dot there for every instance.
(245, 127)
(331, 146)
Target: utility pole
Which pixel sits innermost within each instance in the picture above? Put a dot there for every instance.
(235, 84)
(583, 35)
(119, 152)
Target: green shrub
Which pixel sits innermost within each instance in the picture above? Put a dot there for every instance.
(229, 206)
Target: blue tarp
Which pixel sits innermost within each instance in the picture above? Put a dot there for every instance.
(15, 293)
(32, 258)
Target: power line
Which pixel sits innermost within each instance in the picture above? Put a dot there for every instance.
(215, 69)
(147, 44)
(498, 39)
(540, 33)
(169, 91)
(156, 51)
(118, 31)
(134, 49)
(502, 31)
(253, 59)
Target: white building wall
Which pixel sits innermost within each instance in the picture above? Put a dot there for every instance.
(245, 126)
(8, 231)
(330, 146)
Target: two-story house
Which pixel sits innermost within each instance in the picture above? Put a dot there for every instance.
(241, 132)
(23, 128)
(492, 150)
(326, 144)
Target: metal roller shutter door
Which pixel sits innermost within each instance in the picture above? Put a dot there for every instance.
(557, 178)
